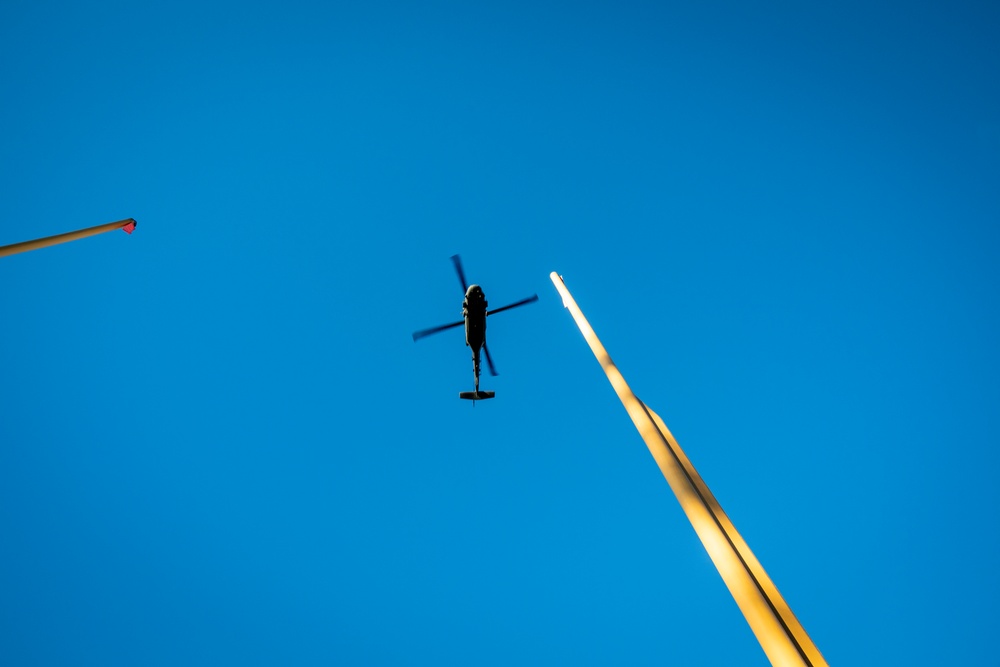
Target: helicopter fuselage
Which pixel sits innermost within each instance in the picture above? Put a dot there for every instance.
(474, 311)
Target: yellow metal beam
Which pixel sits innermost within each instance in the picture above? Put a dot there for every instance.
(780, 634)
(25, 246)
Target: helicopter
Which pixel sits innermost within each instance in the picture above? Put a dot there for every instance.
(474, 313)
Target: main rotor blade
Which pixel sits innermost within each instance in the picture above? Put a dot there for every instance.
(461, 274)
(433, 330)
(489, 360)
(522, 302)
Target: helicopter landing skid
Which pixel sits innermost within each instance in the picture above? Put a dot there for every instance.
(476, 395)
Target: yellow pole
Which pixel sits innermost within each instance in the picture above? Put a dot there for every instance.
(780, 634)
(25, 246)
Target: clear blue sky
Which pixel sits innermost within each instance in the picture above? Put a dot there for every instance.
(219, 445)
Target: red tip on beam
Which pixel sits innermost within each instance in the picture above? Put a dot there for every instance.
(129, 228)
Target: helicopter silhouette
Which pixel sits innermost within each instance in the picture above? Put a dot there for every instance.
(474, 314)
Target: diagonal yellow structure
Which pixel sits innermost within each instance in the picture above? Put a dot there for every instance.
(25, 246)
(780, 634)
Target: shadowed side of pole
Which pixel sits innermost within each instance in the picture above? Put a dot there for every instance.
(128, 224)
(779, 632)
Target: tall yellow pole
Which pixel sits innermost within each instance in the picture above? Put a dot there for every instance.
(25, 246)
(780, 634)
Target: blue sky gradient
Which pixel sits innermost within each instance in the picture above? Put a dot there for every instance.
(218, 443)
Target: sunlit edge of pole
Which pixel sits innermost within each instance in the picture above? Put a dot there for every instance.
(25, 246)
(781, 636)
